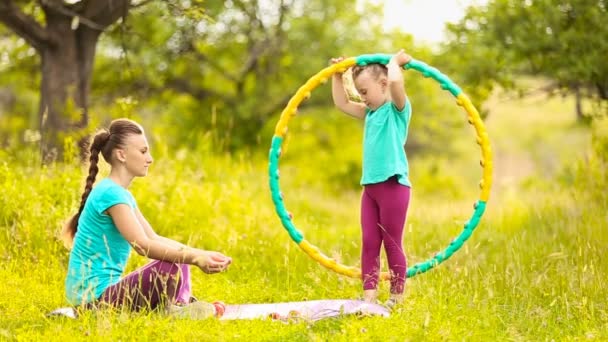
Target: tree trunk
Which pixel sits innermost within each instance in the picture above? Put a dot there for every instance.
(602, 90)
(66, 77)
(580, 117)
(66, 45)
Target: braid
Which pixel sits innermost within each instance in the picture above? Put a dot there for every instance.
(104, 142)
(93, 169)
(99, 142)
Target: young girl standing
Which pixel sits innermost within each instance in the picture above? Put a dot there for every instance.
(385, 180)
(109, 224)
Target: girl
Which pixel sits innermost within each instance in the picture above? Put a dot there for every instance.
(109, 223)
(386, 185)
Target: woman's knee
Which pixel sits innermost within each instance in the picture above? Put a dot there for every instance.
(170, 268)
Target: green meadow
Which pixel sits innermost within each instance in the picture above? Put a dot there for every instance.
(532, 271)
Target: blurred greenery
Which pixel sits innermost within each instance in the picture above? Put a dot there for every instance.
(208, 81)
(563, 41)
(221, 75)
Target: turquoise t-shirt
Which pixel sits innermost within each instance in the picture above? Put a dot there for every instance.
(100, 253)
(384, 137)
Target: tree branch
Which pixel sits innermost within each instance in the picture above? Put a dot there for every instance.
(141, 3)
(58, 7)
(184, 86)
(23, 25)
(189, 47)
(104, 12)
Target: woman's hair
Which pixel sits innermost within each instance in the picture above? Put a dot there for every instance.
(376, 70)
(104, 142)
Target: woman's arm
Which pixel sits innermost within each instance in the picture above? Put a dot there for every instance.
(152, 234)
(395, 78)
(159, 249)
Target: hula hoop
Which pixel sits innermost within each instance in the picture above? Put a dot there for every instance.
(290, 111)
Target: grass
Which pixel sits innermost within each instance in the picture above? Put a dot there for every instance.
(533, 270)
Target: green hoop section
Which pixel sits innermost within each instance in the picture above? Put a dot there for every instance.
(290, 111)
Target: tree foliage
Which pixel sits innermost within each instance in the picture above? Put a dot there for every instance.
(565, 41)
(233, 68)
(194, 69)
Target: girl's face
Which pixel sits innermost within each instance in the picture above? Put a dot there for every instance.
(372, 89)
(136, 155)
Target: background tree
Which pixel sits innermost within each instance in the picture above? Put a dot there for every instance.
(564, 41)
(231, 71)
(226, 72)
(233, 68)
(64, 37)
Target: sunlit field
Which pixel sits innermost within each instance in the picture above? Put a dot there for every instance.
(533, 269)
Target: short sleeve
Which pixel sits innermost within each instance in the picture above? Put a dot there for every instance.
(407, 109)
(111, 197)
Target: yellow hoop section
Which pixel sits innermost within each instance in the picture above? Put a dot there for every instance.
(304, 92)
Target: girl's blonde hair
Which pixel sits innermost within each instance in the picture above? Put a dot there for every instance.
(376, 70)
(349, 77)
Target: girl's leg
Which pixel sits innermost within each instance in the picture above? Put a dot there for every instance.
(393, 200)
(156, 283)
(371, 243)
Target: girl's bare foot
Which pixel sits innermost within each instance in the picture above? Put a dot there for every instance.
(370, 296)
(393, 300)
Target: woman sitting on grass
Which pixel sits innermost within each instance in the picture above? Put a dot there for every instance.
(109, 223)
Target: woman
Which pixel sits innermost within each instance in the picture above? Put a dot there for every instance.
(109, 223)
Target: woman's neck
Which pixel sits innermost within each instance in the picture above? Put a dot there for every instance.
(121, 177)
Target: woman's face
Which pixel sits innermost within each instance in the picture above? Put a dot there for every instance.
(136, 155)
(371, 89)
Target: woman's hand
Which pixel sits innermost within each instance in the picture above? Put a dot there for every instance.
(212, 262)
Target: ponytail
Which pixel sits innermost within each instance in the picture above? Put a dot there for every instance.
(104, 142)
(69, 230)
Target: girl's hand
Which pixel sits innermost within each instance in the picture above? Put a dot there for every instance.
(212, 262)
(401, 58)
(336, 60)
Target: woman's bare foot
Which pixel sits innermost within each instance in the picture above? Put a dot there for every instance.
(194, 310)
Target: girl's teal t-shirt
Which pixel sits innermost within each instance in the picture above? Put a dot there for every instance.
(100, 253)
(384, 137)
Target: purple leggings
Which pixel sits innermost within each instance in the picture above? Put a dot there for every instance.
(150, 286)
(383, 212)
